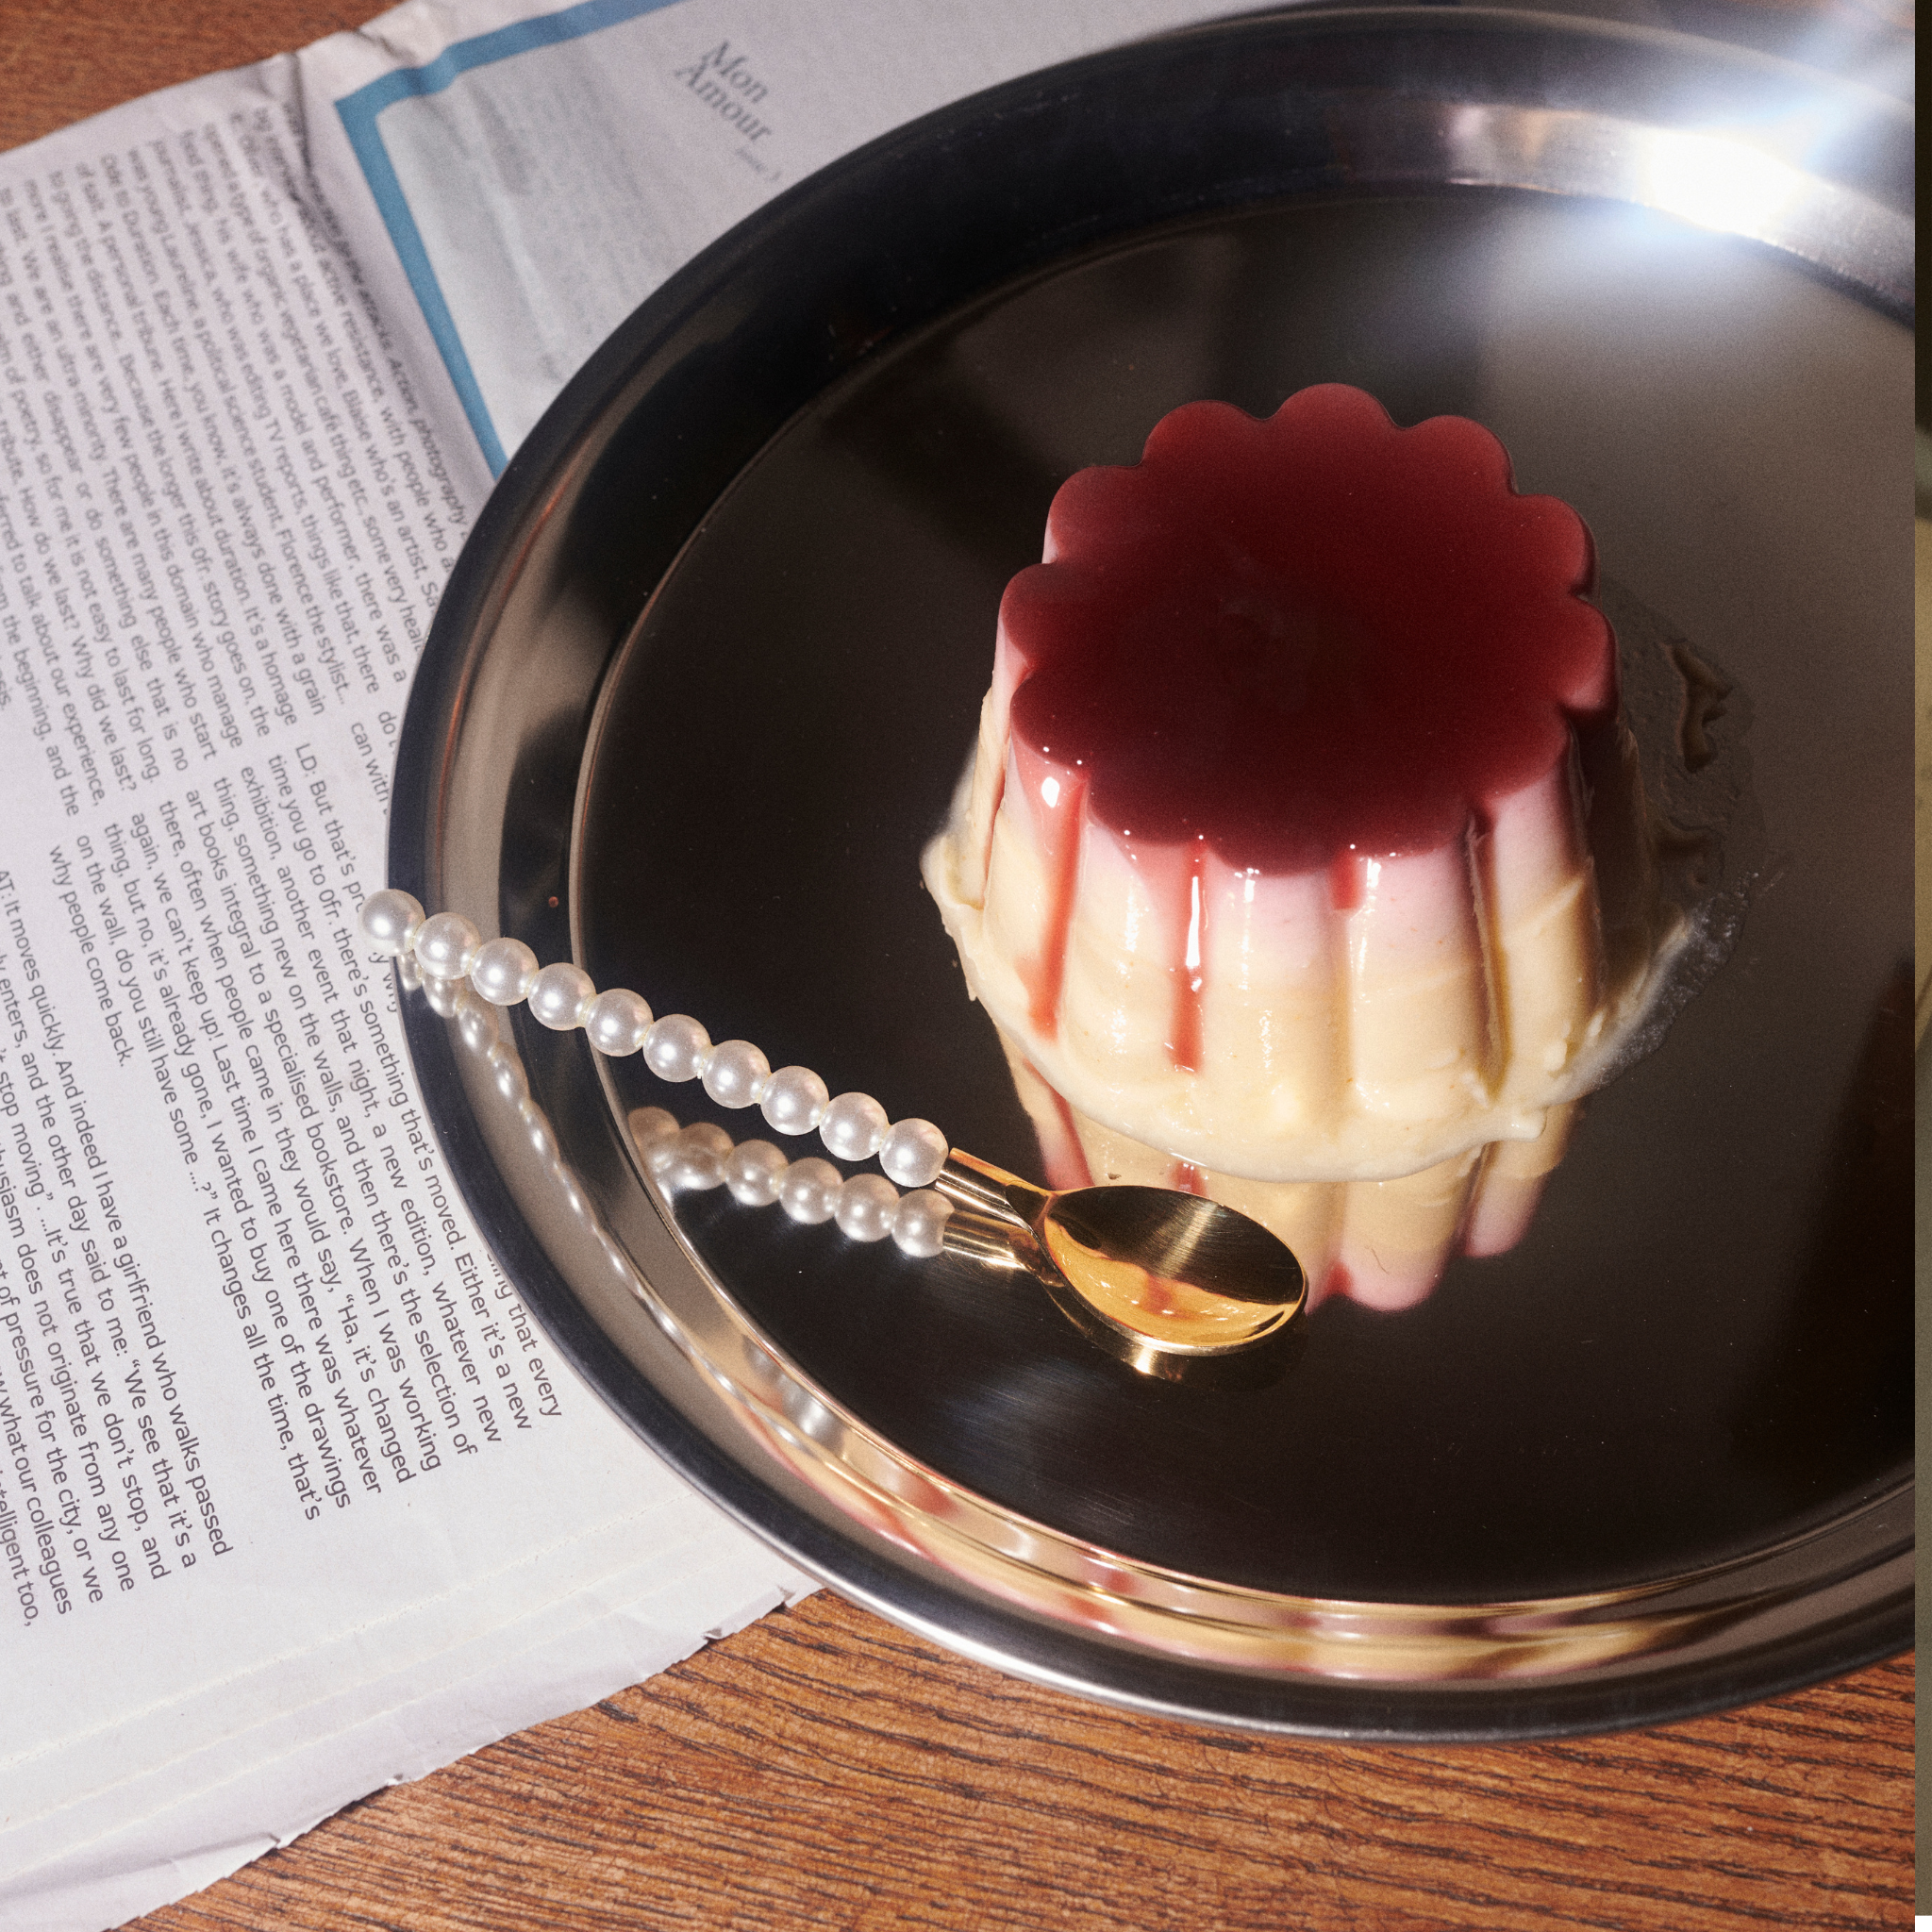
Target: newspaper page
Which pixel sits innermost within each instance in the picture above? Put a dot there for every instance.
(295, 1498)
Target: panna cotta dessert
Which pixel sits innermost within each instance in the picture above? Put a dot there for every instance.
(1303, 841)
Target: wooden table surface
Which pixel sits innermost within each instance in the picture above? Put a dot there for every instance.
(821, 1768)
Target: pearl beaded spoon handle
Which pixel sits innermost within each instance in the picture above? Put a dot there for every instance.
(1172, 1285)
(1169, 1283)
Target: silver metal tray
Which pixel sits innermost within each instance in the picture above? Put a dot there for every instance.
(710, 662)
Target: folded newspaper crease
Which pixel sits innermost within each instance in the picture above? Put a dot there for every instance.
(294, 1498)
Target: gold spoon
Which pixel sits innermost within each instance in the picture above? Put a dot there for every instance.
(1172, 1285)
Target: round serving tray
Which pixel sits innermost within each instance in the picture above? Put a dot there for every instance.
(709, 666)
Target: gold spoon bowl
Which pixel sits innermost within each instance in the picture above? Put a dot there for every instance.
(1177, 1286)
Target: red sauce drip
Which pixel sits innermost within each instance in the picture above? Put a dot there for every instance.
(1189, 951)
(1348, 880)
(1057, 798)
(1296, 636)
(1067, 1163)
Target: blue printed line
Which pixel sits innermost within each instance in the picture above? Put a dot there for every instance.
(360, 111)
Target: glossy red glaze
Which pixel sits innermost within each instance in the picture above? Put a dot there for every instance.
(1304, 639)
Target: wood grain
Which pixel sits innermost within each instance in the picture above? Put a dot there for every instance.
(822, 1768)
(61, 59)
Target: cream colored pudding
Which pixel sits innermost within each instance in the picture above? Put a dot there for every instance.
(1303, 840)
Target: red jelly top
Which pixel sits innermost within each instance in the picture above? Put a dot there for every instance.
(1305, 636)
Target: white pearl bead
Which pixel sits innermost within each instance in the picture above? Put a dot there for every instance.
(736, 1073)
(677, 1048)
(753, 1170)
(650, 1124)
(445, 996)
(794, 1100)
(446, 946)
(914, 1152)
(503, 972)
(697, 1159)
(810, 1191)
(616, 1022)
(853, 1127)
(920, 1227)
(560, 995)
(868, 1206)
(390, 921)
